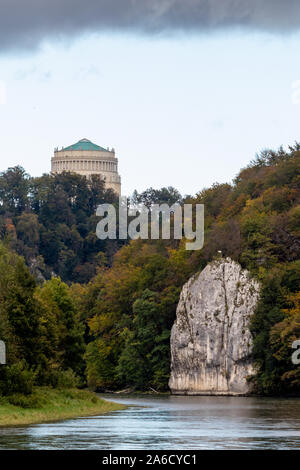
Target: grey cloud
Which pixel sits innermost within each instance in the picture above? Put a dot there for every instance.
(26, 23)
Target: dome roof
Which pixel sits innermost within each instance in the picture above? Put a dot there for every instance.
(85, 144)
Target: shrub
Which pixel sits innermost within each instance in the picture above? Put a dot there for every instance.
(64, 379)
(17, 378)
(26, 401)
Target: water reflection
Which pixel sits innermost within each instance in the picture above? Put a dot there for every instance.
(172, 423)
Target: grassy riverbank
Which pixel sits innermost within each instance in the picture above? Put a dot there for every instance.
(47, 405)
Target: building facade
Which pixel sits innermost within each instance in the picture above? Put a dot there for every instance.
(87, 158)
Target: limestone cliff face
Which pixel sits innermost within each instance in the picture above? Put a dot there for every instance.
(210, 341)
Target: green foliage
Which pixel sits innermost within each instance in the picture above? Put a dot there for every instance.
(52, 218)
(145, 359)
(62, 331)
(19, 311)
(14, 191)
(151, 196)
(268, 313)
(64, 379)
(26, 401)
(273, 331)
(17, 378)
(41, 327)
(282, 336)
(101, 360)
(46, 404)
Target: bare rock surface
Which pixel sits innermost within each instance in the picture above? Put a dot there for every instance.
(211, 344)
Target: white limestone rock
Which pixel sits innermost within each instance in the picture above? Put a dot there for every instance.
(211, 343)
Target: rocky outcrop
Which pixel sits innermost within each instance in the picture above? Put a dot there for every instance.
(37, 267)
(211, 343)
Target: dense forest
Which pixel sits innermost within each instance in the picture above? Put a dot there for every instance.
(78, 310)
(50, 221)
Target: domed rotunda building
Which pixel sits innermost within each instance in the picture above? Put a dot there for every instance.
(87, 158)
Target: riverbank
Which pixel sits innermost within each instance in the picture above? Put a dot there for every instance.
(50, 405)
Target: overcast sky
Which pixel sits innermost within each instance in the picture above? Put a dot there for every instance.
(186, 91)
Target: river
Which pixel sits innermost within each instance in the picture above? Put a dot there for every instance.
(171, 422)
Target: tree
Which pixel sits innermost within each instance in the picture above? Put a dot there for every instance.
(265, 324)
(19, 324)
(18, 305)
(134, 366)
(62, 329)
(14, 188)
(282, 336)
(152, 196)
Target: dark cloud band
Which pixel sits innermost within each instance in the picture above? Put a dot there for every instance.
(25, 23)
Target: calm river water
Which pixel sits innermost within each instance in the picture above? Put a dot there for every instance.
(171, 423)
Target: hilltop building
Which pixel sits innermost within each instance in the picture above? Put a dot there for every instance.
(87, 158)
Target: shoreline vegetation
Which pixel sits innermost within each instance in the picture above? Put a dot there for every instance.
(47, 405)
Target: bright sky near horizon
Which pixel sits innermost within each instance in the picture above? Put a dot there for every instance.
(183, 111)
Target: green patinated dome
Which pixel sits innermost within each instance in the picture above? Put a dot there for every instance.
(85, 144)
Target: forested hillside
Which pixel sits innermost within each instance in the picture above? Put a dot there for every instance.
(131, 306)
(102, 311)
(51, 221)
